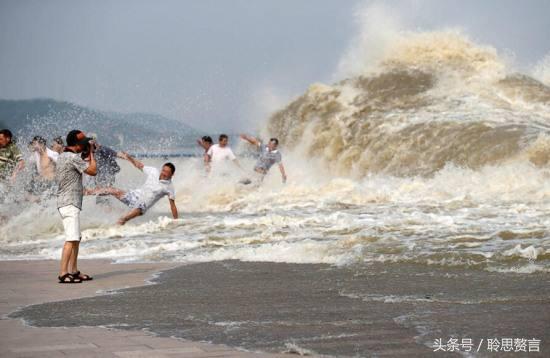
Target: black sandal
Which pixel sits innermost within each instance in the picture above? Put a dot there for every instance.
(84, 277)
(68, 278)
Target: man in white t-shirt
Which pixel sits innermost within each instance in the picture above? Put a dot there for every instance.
(157, 185)
(219, 155)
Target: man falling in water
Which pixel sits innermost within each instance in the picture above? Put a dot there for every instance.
(157, 185)
(268, 156)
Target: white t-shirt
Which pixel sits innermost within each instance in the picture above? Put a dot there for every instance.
(218, 154)
(51, 154)
(221, 159)
(154, 188)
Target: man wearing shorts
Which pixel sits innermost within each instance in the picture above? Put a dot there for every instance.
(68, 175)
(157, 185)
(269, 155)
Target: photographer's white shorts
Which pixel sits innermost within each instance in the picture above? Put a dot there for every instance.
(71, 222)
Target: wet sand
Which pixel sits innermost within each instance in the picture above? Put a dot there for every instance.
(25, 283)
(377, 310)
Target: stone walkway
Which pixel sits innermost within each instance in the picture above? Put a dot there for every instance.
(25, 283)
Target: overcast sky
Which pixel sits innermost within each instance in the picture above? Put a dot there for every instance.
(219, 65)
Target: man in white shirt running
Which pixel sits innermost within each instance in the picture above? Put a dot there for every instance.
(157, 185)
(219, 154)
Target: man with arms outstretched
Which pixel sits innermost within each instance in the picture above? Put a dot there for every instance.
(268, 156)
(157, 185)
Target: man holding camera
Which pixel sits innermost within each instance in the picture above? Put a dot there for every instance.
(76, 159)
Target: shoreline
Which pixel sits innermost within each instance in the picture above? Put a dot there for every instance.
(25, 283)
(240, 309)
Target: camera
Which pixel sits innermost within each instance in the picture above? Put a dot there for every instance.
(91, 146)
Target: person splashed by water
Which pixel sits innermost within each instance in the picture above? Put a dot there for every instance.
(218, 155)
(205, 142)
(57, 145)
(11, 162)
(269, 155)
(157, 185)
(41, 185)
(107, 167)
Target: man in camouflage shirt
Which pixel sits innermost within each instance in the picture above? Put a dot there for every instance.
(11, 161)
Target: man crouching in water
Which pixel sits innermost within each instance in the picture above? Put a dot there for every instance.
(157, 185)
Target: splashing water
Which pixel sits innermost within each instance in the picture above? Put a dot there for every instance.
(435, 154)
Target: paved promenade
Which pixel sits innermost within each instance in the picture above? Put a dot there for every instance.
(25, 283)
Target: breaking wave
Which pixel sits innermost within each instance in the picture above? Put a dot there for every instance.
(435, 99)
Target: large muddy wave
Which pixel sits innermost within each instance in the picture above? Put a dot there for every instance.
(434, 99)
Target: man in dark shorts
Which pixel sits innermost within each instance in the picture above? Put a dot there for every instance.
(107, 168)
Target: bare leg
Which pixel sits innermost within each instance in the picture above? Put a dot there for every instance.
(66, 257)
(117, 193)
(131, 214)
(73, 265)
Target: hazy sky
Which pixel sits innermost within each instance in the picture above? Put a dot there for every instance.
(219, 64)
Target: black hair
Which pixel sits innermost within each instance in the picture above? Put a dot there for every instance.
(223, 136)
(58, 140)
(72, 137)
(274, 140)
(38, 139)
(207, 139)
(171, 166)
(6, 133)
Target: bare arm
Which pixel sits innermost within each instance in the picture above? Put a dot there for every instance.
(250, 139)
(238, 164)
(207, 161)
(283, 173)
(173, 208)
(92, 167)
(136, 163)
(202, 144)
(18, 168)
